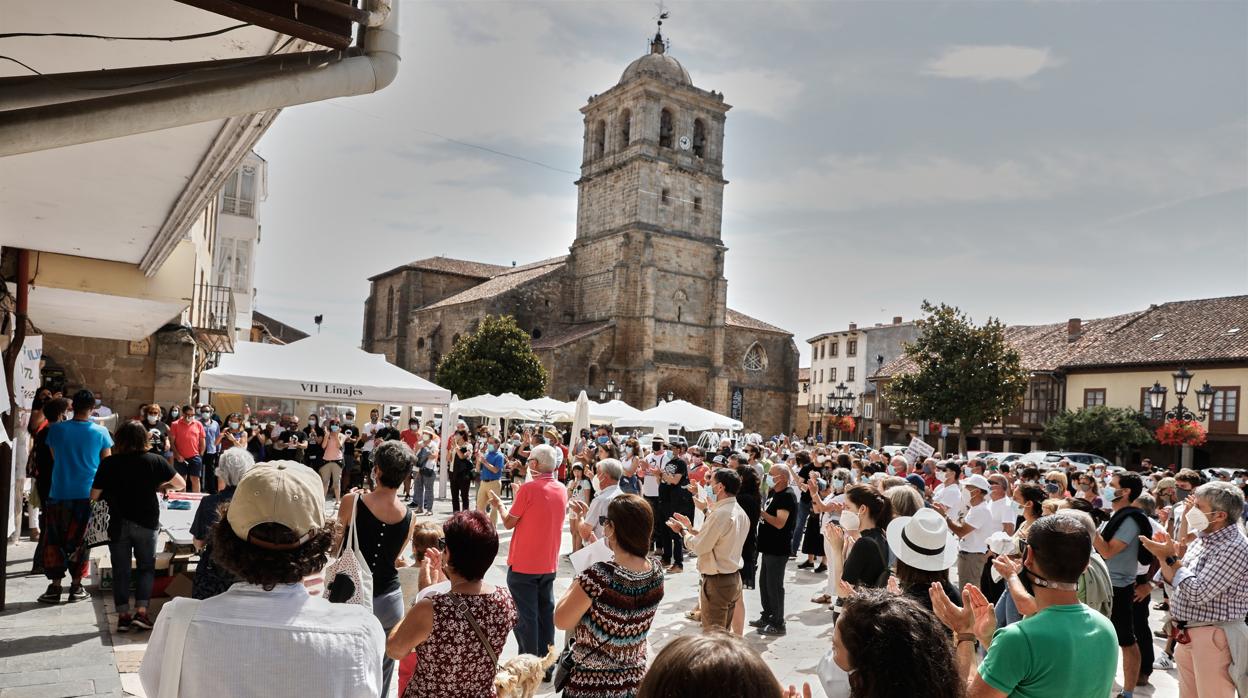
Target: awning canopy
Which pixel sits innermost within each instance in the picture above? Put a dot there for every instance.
(319, 368)
(679, 413)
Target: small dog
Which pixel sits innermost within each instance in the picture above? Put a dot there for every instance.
(520, 676)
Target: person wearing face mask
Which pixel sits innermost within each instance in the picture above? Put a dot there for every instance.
(610, 605)
(1118, 543)
(949, 492)
(188, 441)
(587, 519)
(157, 430)
(331, 471)
(1208, 582)
(973, 529)
(232, 434)
(490, 465)
(864, 545)
(829, 510)
(718, 545)
(212, 431)
(775, 536)
(1063, 649)
(314, 436)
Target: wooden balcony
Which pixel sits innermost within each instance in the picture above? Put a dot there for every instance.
(212, 318)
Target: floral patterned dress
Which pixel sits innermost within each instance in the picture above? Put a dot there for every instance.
(452, 663)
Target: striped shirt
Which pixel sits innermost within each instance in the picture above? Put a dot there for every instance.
(1212, 584)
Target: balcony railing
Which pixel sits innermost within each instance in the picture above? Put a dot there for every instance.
(212, 317)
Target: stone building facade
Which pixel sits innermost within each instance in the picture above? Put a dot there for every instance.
(641, 297)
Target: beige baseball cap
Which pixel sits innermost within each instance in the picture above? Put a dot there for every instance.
(281, 492)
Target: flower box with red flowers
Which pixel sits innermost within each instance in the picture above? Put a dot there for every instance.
(1181, 432)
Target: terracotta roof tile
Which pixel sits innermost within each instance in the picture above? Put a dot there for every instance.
(733, 318)
(449, 265)
(1208, 329)
(1042, 347)
(570, 334)
(504, 282)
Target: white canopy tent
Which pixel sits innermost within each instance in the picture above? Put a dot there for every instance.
(322, 368)
(505, 406)
(679, 413)
(319, 368)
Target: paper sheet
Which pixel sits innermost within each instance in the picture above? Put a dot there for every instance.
(590, 554)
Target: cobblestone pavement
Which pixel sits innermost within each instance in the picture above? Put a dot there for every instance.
(71, 650)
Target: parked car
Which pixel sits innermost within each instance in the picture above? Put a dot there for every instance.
(1083, 460)
(893, 450)
(1041, 457)
(1005, 456)
(853, 445)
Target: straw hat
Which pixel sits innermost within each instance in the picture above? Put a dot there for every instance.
(923, 541)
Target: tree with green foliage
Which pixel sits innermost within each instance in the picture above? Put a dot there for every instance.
(1112, 432)
(497, 358)
(965, 372)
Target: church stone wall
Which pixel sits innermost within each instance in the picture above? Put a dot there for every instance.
(578, 366)
(770, 399)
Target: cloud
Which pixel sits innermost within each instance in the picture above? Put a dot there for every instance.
(764, 92)
(985, 63)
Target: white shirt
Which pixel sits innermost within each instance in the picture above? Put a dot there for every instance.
(1003, 511)
(368, 433)
(598, 507)
(650, 483)
(981, 518)
(286, 642)
(951, 497)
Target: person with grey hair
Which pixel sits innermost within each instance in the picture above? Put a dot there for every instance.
(210, 578)
(589, 517)
(1209, 593)
(536, 515)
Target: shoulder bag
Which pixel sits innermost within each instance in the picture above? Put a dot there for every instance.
(97, 526)
(348, 578)
(462, 607)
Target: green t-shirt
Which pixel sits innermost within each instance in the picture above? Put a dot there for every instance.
(1069, 651)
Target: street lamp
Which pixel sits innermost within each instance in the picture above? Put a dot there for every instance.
(1182, 383)
(611, 392)
(841, 403)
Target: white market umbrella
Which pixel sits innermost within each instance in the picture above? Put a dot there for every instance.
(580, 416)
(611, 411)
(680, 413)
(547, 409)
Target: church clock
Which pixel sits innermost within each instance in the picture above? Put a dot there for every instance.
(684, 142)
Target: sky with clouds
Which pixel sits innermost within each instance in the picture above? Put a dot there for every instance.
(1032, 161)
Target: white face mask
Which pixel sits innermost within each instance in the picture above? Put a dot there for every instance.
(151, 418)
(1197, 520)
(834, 679)
(850, 520)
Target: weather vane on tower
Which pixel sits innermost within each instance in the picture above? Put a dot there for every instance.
(659, 44)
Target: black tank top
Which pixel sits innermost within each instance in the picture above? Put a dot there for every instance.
(380, 543)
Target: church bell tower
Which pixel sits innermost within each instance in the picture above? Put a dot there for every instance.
(648, 252)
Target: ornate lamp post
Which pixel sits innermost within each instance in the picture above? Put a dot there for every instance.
(610, 392)
(1182, 384)
(841, 404)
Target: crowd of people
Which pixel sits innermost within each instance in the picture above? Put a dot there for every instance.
(945, 576)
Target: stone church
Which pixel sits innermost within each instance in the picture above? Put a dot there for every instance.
(640, 298)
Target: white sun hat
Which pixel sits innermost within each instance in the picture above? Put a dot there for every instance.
(923, 541)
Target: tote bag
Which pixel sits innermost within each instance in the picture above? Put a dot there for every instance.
(97, 526)
(348, 579)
